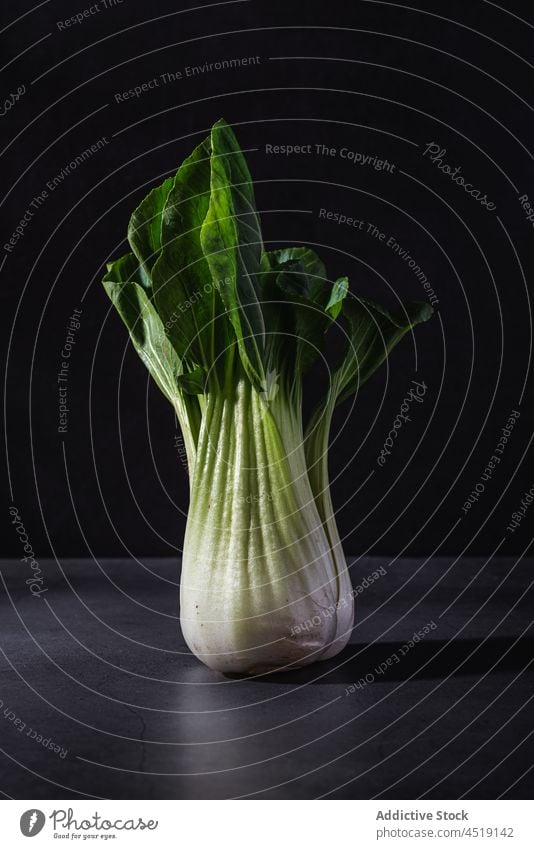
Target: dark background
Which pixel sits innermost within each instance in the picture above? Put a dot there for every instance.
(114, 484)
(98, 663)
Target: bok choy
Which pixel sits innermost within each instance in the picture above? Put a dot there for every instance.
(228, 329)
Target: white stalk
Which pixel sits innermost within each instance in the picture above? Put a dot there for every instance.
(317, 440)
(260, 587)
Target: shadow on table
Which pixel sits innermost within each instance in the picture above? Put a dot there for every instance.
(427, 659)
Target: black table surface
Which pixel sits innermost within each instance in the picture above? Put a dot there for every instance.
(101, 698)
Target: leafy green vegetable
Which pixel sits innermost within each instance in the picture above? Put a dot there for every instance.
(228, 331)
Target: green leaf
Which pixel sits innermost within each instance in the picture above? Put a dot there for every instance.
(232, 244)
(144, 228)
(373, 332)
(311, 303)
(184, 294)
(127, 268)
(301, 273)
(301, 278)
(337, 296)
(146, 330)
(194, 382)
